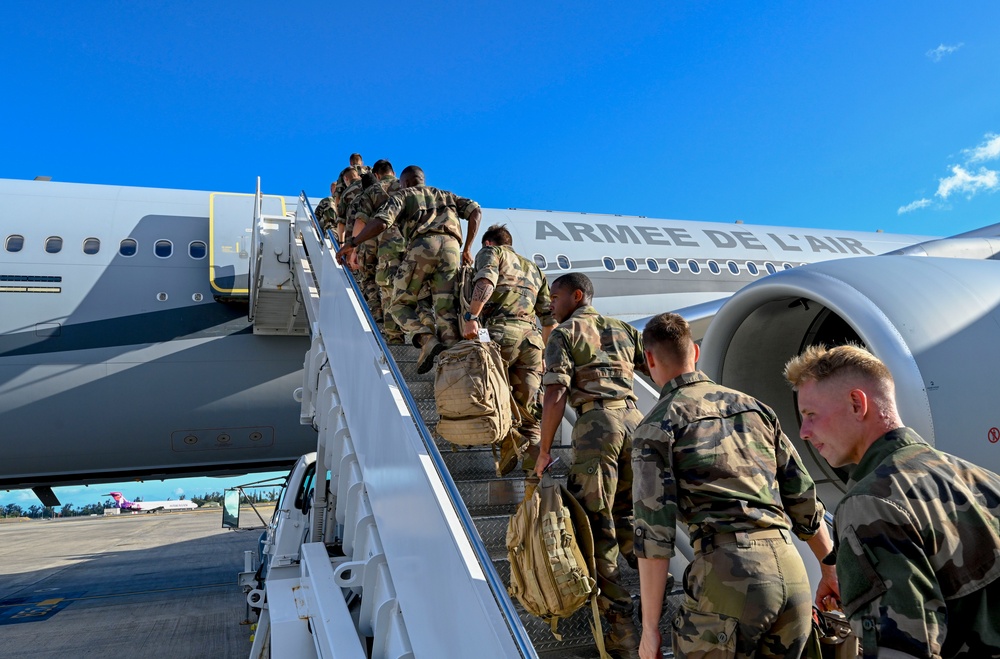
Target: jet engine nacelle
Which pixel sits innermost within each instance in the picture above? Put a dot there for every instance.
(935, 323)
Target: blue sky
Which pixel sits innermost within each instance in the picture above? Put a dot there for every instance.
(853, 115)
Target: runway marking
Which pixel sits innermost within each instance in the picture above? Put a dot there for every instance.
(22, 609)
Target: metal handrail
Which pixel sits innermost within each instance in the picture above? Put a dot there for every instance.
(258, 247)
(497, 587)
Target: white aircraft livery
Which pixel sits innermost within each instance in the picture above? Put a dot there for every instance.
(125, 344)
(150, 506)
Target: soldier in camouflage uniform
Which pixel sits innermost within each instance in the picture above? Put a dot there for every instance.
(366, 205)
(352, 183)
(389, 254)
(590, 361)
(429, 221)
(326, 209)
(918, 532)
(359, 164)
(509, 297)
(717, 460)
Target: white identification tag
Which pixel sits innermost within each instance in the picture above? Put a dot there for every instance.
(484, 335)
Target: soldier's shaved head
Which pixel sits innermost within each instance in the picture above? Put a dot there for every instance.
(349, 174)
(382, 167)
(668, 336)
(356, 159)
(576, 281)
(412, 176)
(498, 235)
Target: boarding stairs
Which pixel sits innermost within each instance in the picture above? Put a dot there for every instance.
(401, 536)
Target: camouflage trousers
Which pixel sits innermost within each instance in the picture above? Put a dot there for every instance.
(367, 262)
(521, 348)
(601, 480)
(431, 260)
(748, 598)
(388, 255)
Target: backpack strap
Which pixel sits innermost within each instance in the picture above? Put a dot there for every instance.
(595, 625)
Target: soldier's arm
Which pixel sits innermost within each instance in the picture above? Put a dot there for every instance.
(558, 376)
(653, 576)
(470, 235)
(553, 408)
(653, 502)
(386, 216)
(481, 293)
(828, 590)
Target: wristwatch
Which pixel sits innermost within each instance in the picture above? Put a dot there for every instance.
(468, 317)
(349, 242)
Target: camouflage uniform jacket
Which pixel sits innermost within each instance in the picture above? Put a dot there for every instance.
(423, 209)
(369, 202)
(594, 357)
(521, 291)
(326, 214)
(716, 459)
(352, 191)
(917, 531)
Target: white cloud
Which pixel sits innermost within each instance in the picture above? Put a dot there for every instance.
(179, 491)
(988, 150)
(962, 180)
(914, 205)
(938, 53)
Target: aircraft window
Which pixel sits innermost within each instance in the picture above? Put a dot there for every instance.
(752, 268)
(693, 266)
(563, 261)
(609, 264)
(197, 250)
(652, 265)
(714, 267)
(733, 266)
(128, 247)
(631, 265)
(673, 266)
(15, 243)
(770, 267)
(53, 244)
(163, 248)
(91, 246)
(540, 261)
(787, 266)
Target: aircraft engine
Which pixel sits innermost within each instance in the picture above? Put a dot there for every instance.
(935, 322)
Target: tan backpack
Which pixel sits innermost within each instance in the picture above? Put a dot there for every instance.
(551, 551)
(472, 394)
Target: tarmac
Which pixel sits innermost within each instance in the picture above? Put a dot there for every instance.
(148, 585)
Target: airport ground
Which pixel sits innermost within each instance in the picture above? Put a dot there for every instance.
(150, 585)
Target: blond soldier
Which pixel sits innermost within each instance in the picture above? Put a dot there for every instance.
(918, 532)
(716, 459)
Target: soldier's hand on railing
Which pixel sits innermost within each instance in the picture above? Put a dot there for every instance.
(344, 253)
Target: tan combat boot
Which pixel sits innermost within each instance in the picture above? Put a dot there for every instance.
(431, 348)
(622, 640)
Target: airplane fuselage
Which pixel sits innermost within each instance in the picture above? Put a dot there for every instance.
(125, 349)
